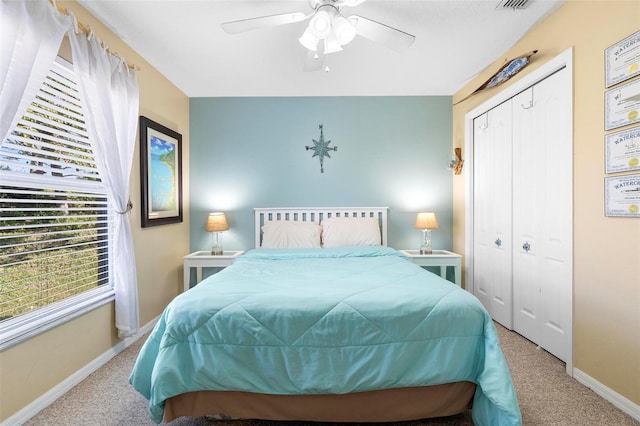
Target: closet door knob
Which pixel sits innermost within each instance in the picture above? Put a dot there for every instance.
(526, 247)
(498, 242)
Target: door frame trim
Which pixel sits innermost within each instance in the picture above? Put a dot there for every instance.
(563, 60)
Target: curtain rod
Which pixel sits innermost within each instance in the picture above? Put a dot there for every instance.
(87, 30)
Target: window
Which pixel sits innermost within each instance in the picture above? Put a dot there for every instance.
(55, 215)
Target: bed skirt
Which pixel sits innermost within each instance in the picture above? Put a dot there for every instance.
(390, 405)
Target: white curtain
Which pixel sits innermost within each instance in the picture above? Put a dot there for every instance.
(110, 93)
(31, 33)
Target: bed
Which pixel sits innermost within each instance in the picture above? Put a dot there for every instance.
(324, 322)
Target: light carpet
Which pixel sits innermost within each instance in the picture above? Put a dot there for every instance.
(547, 396)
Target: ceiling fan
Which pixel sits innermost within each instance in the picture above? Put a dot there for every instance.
(328, 30)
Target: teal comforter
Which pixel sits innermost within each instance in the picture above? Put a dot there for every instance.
(325, 321)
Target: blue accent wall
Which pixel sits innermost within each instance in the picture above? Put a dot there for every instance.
(250, 152)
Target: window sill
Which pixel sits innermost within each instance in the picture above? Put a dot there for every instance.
(17, 330)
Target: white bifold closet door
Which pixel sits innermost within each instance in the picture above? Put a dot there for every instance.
(522, 212)
(542, 213)
(492, 186)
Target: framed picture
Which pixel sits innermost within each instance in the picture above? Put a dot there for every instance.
(622, 196)
(622, 60)
(160, 174)
(622, 105)
(622, 151)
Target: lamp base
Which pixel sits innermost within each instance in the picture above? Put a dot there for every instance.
(425, 244)
(216, 247)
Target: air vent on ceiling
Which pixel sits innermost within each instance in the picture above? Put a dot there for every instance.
(512, 4)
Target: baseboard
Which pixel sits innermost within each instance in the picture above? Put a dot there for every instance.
(609, 394)
(65, 386)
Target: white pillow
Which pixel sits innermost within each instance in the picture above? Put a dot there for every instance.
(290, 234)
(350, 231)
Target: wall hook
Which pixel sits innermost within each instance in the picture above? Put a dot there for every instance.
(528, 104)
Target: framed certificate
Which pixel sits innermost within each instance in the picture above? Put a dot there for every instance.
(622, 60)
(622, 196)
(622, 150)
(622, 105)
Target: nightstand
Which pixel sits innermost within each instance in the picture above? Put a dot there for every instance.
(204, 259)
(441, 258)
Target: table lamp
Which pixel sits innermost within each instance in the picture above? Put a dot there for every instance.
(216, 223)
(426, 221)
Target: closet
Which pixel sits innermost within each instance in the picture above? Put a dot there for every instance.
(522, 212)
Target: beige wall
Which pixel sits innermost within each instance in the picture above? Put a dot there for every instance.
(606, 250)
(34, 367)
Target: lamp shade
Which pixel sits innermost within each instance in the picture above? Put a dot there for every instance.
(217, 222)
(426, 220)
(320, 24)
(331, 44)
(309, 40)
(344, 30)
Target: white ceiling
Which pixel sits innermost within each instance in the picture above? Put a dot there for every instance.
(183, 40)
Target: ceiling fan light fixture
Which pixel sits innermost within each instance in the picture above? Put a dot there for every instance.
(331, 44)
(320, 24)
(309, 40)
(343, 29)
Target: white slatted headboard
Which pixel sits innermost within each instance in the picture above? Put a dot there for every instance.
(317, 214)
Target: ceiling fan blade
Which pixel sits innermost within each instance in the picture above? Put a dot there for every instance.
(243, 25)
(315, 61)
(381, 33)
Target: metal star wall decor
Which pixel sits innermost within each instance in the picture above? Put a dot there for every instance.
(321, 149)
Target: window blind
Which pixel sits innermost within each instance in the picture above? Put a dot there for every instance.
(55, 215)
